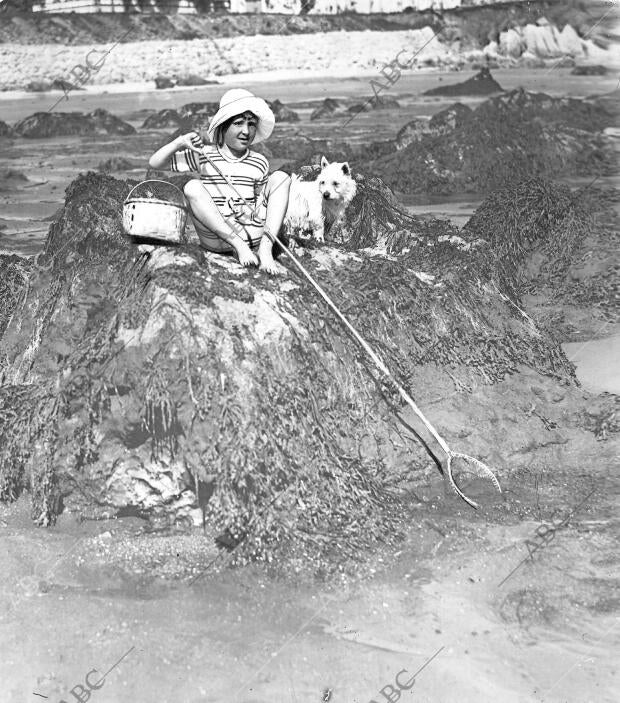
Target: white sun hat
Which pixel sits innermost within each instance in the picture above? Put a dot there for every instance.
(236, 102)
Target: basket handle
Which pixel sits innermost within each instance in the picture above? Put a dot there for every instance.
(153, 180)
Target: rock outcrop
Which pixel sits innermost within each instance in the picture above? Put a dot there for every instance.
(504, 140)
(56, 124)
(106, 122)
(282, 112)
(198, 113)
(131, 378)
(564, 246)
(164, 119)
(5, 130)
(15, 272)
(441, 123)
(328, 108)
(544, 40)
(482, 83)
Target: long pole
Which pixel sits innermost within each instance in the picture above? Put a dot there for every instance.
(379, 363)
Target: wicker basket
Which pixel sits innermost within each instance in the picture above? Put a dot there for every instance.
(155, 212)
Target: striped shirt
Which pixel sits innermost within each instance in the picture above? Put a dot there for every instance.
(248, 175)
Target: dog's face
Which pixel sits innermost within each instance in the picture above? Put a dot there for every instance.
(335, 182)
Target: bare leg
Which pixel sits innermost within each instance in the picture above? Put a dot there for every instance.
(278, 187)
(209, 215)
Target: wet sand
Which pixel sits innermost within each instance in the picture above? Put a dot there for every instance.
(548, 633)
(598, 363)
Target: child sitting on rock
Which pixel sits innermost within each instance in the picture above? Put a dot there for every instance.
(234, 203)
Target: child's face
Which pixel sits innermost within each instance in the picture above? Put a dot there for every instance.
(241, 132)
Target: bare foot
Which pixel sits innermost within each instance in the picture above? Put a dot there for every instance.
(265, 256)
(273, 268)
(245, 255)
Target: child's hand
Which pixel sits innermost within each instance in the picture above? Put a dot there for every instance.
(189, 141)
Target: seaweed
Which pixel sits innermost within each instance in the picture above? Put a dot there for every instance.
(505, 140)
(165, 362)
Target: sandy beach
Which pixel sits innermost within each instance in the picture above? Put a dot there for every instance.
(322, 53)
(143, 61)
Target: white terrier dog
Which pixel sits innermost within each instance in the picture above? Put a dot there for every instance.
(317, 205)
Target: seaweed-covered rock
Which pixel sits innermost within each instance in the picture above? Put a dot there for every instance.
(328, 108)
(166, 118)
(192, 79)
(14, 273)
(164, 82)
(281, 112)
(557, 251)
(482, 83)
(607, 103)
(440, 123)
(10, 178)
(566, 112)
(55, 124)
(413, 131)
(110, 124)
(504, 140)
(301, 150)
(376, 102)
(5, 130)
(198, 113)
(450, 118)
(115, 163)
(132, 377)
(56, 84)
(384, 102)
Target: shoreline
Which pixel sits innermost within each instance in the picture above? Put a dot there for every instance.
(211, 91)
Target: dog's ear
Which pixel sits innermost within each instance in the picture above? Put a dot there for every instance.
(324, 163)
(345, 168)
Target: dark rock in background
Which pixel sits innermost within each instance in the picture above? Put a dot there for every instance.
(10, 177)
(55, 124)
(163, 82)
(110, 124)
(165, 118)
(384, 102)
(192, 79)
(6, 130)
(198, 113)
(376, 102)
(282, 113)
(328, 108)
(57, 84)
(482, 83)
(115, 163)
(566, 112)
(504, 140)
